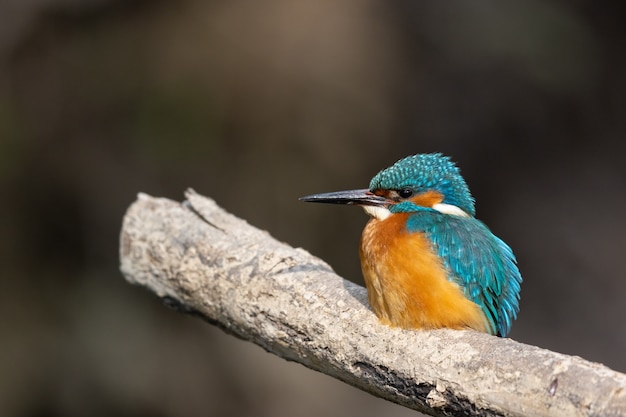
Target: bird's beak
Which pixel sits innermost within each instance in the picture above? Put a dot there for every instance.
(351, 197)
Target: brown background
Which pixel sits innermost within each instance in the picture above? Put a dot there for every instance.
(256, 103)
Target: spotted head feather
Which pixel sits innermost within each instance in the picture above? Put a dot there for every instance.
(424, 172)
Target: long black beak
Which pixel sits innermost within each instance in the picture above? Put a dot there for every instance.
(351, 197)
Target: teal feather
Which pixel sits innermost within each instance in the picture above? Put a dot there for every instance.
(481, 263)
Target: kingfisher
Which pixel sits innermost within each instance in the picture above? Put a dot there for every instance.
(426, 260)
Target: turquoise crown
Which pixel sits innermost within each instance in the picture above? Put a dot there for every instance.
(427, 172)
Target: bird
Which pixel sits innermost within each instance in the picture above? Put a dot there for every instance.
(427, 262)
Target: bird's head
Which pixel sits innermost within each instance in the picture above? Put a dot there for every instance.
(415, 183)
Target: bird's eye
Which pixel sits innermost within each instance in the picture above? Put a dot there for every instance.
(405, 193)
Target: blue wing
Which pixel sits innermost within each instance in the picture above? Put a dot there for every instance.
(482, 264)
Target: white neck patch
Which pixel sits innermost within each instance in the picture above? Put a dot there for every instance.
(377, 212)
(450, 209)
(381, 213)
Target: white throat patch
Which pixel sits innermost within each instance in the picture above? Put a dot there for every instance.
(381, 213)
(377, 212)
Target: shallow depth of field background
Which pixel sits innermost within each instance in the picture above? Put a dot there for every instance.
(255, 103)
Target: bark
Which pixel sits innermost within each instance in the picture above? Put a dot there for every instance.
(207, 262)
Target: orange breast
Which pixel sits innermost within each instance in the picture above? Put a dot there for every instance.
(406, 282)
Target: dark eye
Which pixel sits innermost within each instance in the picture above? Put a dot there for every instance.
(405, 193)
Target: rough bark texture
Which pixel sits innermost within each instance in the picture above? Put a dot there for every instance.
(204, 261)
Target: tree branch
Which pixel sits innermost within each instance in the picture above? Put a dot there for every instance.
(207, 262)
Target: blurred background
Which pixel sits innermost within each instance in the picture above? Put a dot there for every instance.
(255, 104)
